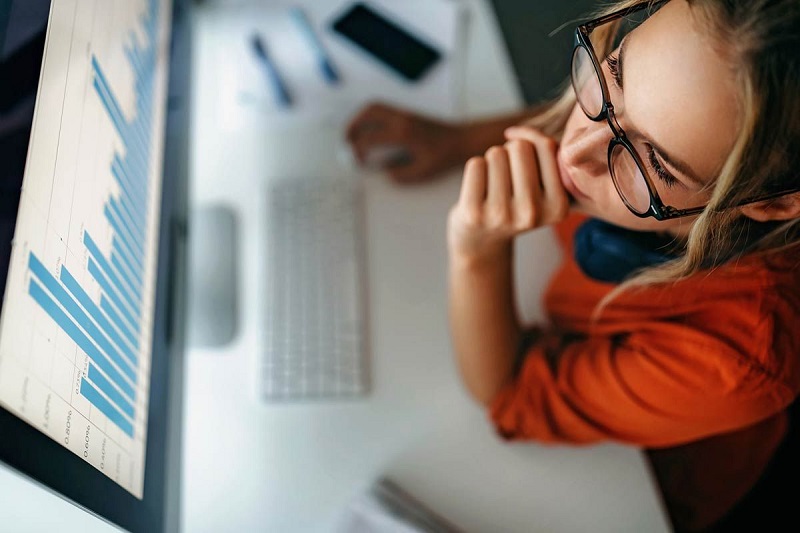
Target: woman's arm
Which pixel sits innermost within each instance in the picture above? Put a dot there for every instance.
(512, 189)
(429, 146)
(484, 324)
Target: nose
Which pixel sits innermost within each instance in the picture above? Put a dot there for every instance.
(587, 148)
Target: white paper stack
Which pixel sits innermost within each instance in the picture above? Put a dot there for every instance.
(387, 508)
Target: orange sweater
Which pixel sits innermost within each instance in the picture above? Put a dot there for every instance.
(702, 370)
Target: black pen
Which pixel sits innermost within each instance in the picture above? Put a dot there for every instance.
(279, 86)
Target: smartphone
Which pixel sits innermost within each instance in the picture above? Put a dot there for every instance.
(395, 47)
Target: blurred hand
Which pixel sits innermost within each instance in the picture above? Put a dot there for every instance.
(512, 189)
(428, 146)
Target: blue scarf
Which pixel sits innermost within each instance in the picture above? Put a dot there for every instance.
(610, 254)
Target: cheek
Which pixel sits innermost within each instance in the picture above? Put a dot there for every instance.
(572, 125)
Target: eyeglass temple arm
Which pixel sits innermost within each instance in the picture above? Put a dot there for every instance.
(592, 24)
(672, 212)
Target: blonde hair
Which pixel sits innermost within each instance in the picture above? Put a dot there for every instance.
(762, 38)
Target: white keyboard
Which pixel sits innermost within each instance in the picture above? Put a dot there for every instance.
(314, 338)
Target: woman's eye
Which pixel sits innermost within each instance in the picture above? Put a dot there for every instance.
(613, 68)
(662, 173)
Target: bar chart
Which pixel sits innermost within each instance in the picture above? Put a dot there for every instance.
(76, 328)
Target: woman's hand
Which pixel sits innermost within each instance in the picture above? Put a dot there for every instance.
(512, 189)
(428, 146)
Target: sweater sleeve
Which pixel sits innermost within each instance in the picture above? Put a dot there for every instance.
(646, 388)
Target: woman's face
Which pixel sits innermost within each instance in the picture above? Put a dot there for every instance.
(677, 105)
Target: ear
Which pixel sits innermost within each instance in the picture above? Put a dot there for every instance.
(781, 208)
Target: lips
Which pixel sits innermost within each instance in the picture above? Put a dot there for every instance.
(568, 182)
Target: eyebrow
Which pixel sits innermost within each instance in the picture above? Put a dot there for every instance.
(676, 163)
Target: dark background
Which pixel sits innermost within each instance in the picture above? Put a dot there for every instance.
(541, 62)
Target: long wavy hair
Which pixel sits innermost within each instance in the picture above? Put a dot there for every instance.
(761, 38)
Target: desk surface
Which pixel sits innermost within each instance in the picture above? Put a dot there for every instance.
(253, 466)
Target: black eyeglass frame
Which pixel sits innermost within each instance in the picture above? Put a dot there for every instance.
(658, 209)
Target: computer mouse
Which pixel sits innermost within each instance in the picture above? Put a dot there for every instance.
(213, 247)
(387, 155)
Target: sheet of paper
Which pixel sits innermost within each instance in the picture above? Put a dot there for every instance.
(246, 98)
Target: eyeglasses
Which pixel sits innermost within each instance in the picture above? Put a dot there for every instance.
(632, 182)
(591, 90)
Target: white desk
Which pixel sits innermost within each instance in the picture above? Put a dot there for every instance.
(251, 466)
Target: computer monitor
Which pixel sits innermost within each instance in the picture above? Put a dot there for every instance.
(94, 103)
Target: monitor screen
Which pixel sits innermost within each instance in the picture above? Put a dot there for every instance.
(83, 125)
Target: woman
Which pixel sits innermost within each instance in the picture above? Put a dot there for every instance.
(671, 180)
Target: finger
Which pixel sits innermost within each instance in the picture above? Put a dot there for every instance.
(498, 176)
(556, 201)
(524, 170)
(473, 185)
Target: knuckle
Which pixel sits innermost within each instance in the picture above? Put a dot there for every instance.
(516, 145)
(494, 151)
(498, 217)
(526, 217)
(472, 217)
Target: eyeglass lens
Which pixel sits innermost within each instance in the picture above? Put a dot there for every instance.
(627, 175)
(631, 185)
(586, 83)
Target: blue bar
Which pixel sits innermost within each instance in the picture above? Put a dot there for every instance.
(136, 237)
(103, 81)
(91, 394)
(103, 263)
(101, 279)
(137, 219)
(74, 287)
(112, 106)
(126, 271)
(123, 273)
(136, 163)
(79, 316)
(145, 89)
(113, 394)
(137, 198)
(121, 237)
(116, 249)
(116, 118)
(136, 158)
(76, 335)
(125, 188)
(108, 307)
(136, 246)
(133, 59)
(138, 190)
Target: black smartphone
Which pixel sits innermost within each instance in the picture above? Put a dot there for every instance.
(396, 47)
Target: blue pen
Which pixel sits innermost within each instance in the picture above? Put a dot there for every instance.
(329, 72)
(279, 86)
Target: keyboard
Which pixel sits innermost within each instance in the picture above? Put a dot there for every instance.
(314, 344)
